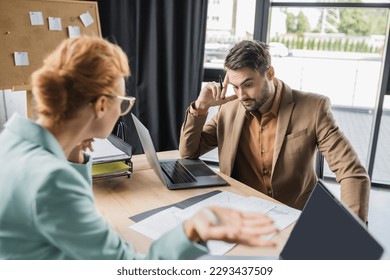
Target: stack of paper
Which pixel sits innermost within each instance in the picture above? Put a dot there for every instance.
(108, 160)
(156, 225)
(110, 169)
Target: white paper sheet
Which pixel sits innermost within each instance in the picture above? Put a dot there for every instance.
(154, 226)
(158, 224)
(55, 24)
(74, 31)
(102, 148)
(21, 59)
(223, 199)
(283, 215)
(36, 18)
(219, 248)
(86, 18)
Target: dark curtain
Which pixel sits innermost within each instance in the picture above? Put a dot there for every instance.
(164, 40)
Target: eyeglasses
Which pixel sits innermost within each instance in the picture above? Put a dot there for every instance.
(127, 102)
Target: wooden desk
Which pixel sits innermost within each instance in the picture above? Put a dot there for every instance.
(119, 198)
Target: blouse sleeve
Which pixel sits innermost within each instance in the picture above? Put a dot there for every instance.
(64, 213)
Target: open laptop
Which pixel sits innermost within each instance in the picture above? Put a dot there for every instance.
(177, 173)
(325, 230)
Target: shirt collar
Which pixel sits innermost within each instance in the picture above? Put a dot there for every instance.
(278, 96)
(33, 132)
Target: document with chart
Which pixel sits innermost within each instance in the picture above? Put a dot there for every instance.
(156, 225)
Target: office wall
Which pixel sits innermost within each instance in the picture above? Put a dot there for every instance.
(10, 103)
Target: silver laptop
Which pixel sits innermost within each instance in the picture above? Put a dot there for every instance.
(177, 173)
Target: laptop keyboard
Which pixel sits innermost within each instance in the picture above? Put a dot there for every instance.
(176, 172)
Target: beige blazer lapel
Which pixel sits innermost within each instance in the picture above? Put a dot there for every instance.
(284, 115)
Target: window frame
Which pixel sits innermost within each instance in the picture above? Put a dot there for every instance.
(262, 12)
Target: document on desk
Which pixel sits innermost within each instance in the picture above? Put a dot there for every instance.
(156, 225)
(104, 151)
(229, 200)
(282, 215)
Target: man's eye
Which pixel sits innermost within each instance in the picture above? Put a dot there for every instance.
(248, 85)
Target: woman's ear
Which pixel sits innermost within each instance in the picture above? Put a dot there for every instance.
(100, 106)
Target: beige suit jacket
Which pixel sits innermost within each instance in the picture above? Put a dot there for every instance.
(305, 123)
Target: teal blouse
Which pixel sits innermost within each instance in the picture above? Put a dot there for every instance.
(47, 206)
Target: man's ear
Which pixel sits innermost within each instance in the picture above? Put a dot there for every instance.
(101, 106)
(270, 73)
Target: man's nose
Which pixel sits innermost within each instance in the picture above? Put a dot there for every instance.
(241, 94)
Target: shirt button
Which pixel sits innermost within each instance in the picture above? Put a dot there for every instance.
(269, 192)
(265, 171)
(262, 150)
(263, 127)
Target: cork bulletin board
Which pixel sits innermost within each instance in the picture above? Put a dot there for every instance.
(19, 36)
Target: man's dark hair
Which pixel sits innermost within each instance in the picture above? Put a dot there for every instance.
(249, 54)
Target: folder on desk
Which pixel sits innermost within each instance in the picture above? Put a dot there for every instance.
(111, 158)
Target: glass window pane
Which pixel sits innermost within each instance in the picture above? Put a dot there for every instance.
(337, 52)
(228, 22)
(381, 172)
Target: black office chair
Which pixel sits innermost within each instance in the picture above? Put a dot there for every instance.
(320, 165)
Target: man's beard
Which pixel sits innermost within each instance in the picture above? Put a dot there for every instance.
(257, 103)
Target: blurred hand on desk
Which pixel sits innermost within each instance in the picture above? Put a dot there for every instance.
(77, 154)
(219, 223)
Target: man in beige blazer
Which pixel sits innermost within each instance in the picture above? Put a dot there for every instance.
(267, 134)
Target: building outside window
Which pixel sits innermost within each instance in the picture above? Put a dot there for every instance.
(235, 23)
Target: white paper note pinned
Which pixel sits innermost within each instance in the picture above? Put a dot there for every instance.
(21, 59)
(86, 18)
(36, 18)
(74, 31)
(55, 24)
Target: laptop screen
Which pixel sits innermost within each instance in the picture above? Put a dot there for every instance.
(326, 230)
(148, 147)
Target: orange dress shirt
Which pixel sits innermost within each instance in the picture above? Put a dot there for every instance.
(256, 146)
